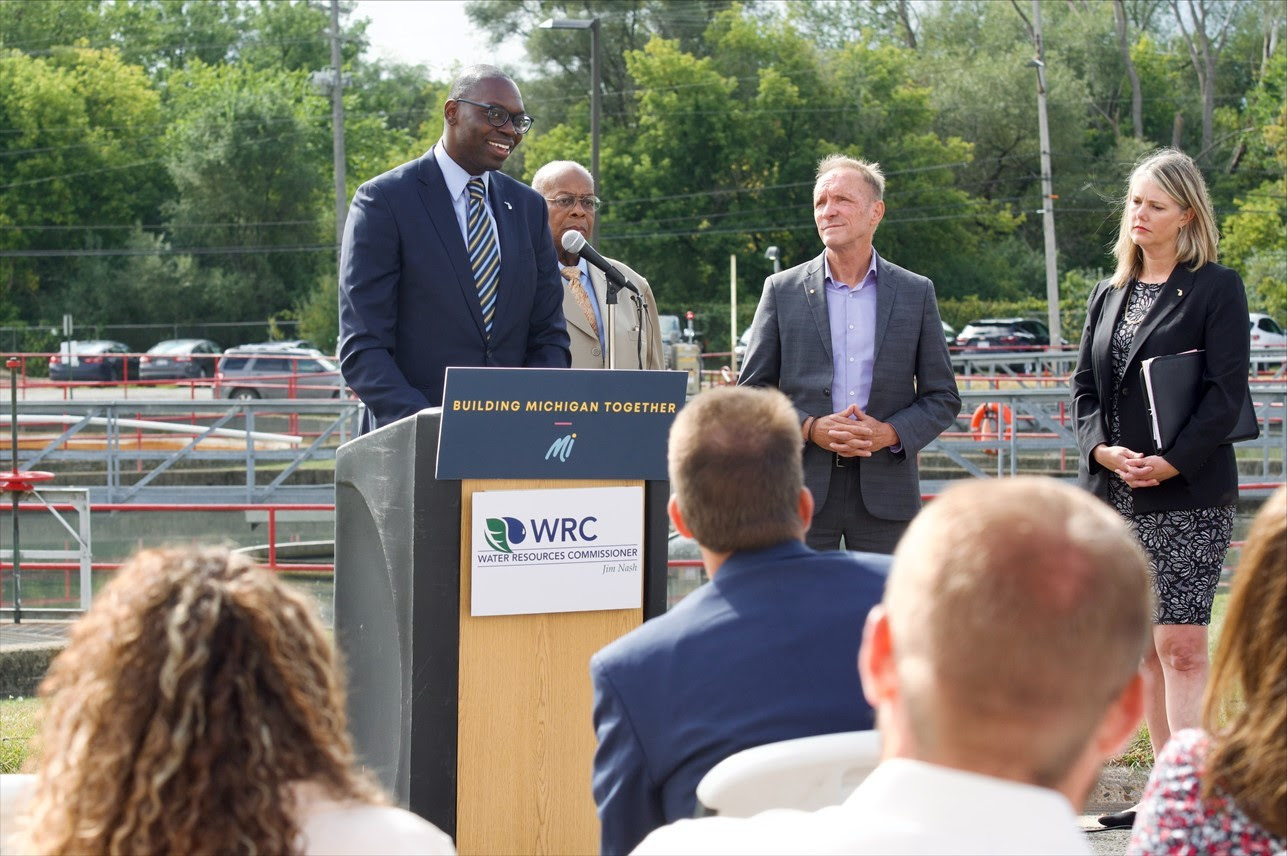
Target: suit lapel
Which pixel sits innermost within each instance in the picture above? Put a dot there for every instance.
(1102, 345)
(437, 201)
(815, 297)
(1178, 285)
(886, 294)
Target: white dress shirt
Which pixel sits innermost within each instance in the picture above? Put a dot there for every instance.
(903, 807)
(457, 185)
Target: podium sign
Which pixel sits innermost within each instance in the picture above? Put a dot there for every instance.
(557, 423)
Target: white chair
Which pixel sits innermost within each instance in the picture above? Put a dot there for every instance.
(15, 789)
(807, 773)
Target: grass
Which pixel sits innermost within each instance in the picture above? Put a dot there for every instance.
(19, 720)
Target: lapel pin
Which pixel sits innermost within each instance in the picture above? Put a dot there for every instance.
(812, 291)
(1179, 292)
(509, 207)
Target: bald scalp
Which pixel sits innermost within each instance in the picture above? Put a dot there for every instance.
(1018, 608)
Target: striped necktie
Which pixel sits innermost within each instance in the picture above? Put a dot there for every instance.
(484, 256)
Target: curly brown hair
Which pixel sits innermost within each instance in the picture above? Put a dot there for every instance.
(1249, 753)
(191, 700)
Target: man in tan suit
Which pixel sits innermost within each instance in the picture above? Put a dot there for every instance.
(569, 191)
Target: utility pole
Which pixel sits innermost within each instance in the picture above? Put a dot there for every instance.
(1047, 188)
(337, 129)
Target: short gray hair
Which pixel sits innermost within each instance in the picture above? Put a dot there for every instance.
(545, 175)
(869, 171)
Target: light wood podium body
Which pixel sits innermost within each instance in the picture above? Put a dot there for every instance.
(481, 724)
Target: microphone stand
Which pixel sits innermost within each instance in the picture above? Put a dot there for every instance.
(611, 339)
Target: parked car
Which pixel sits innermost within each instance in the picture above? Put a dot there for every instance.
(180, 358)
(1002, 336)
(93, 359)
(270, 371)
(1265, 331)
(949, 333)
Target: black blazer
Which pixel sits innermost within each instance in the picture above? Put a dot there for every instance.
(1205, 309)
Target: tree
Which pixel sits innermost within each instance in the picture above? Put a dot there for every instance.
(249, 158)
(79, 165)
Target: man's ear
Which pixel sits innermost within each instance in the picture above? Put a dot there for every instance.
(806, 507)
(876, 658)
(677, 517)
(449, 112)
(1121, 719)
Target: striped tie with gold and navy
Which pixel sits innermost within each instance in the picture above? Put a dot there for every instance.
(484, 256)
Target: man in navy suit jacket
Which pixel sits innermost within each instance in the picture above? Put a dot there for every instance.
(765, 651)
(409, 305)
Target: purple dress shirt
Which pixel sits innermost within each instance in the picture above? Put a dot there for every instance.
(852, 311)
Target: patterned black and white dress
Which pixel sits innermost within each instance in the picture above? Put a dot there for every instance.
(1186, 548)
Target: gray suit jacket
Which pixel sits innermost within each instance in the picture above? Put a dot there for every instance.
(586, 351)
(912, 385)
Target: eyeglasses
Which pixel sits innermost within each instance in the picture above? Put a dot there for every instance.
(498, 116)
(567, 200)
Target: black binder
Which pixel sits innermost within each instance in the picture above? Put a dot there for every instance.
(1172, 385)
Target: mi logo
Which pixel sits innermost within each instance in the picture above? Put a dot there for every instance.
(561, 448)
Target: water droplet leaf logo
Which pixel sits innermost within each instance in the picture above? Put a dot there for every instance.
(503, 531)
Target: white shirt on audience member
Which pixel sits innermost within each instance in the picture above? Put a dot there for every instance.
(903, 807)
(329, 828)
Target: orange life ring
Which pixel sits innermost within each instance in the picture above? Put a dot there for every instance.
(984, 423)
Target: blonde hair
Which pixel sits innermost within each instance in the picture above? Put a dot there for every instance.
(868, 171)
(736, 468)
(1019, 609)
(190, 699)
(1178, 177)
(1249, 754)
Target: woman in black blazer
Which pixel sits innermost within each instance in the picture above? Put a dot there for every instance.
(1167, 296)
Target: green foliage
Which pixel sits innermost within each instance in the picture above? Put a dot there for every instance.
(168, 161)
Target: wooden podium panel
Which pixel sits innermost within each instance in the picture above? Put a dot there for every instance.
(526, 740)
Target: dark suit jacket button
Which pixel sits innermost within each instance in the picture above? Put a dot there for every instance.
(1122, 392)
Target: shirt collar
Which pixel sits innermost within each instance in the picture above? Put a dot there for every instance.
(453, 173)
(870, 274)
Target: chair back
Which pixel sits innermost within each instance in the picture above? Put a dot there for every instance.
(806, 773)
(15, 790)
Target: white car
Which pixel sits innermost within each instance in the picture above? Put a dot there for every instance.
(1265, 331)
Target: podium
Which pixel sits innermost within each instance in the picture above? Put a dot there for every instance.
(481, 722)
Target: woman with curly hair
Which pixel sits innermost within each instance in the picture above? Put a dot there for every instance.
(1223, 790)
(199, 708)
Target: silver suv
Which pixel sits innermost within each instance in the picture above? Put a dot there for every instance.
(271, 371)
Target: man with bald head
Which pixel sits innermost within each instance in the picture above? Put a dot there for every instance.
(568, 189)
(1003, 665)
(446, 261)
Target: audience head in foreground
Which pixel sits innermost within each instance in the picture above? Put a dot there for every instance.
(198, 708)
(1223, 788)
(1003, 665)
(763, 652)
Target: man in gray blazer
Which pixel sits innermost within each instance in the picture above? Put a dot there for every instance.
(856, 343)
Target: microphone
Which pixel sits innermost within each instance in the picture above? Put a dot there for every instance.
(575, 242)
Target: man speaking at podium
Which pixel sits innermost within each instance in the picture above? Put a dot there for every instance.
(568, 189)
(448, 262)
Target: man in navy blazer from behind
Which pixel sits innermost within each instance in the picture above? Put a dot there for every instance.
(765, 651)
(409, 303)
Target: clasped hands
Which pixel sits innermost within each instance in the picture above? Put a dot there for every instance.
(852, 433)
(1135, 468)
